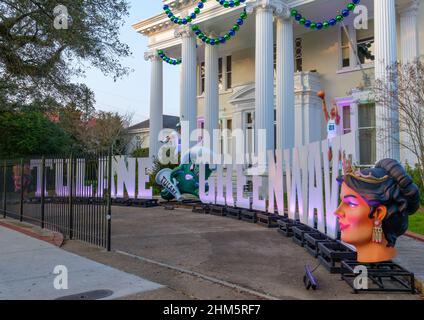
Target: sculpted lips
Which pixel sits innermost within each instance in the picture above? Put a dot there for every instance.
(344, 226)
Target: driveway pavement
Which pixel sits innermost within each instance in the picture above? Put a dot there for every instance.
(236, 252)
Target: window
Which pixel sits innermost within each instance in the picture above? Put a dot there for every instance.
(345, 47)
(347, 128)
(225, 80)
(220, 77)
(139, 142)
(365, 44)
(229, 137)
(298, 55)
(367, 134)
(202, 78)
(202, 130)
(229, 73)
(275, 60)
(250, 137)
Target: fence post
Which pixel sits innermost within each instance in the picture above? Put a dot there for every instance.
(21, 211)
(43, 188)
(4, 189)
(71, 199)
(109, 200)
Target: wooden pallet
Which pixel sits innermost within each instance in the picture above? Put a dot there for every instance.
(249, 216)
(145, 203)
(234, 213)
(201, 208)
(312, 240)
(299, 234)
(268, 220)
(218, 211)
(285, 226)
(332, 253)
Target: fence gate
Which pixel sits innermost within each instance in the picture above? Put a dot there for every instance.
(76, 200)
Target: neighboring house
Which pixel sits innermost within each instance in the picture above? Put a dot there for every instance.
(140, 135)
(313, 60)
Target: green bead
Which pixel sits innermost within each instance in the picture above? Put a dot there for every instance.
(294, 12)
(313, 25)
(189, 19)
(180, 21)
(351, 6)
(160, 51)
(167, 11)
(237, 2)
(195, 27)
(227, 37)
(302, 21)
(236, 27)
(226, 4)
(326, 25)
(208, 41)
(243, 15)
(339, 18)
(196, 10)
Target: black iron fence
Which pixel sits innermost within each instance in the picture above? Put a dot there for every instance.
(70, 195)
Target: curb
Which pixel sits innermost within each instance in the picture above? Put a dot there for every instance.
(415, 236)
(55, 238)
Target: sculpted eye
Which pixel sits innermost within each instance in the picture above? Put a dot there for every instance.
(351, 201)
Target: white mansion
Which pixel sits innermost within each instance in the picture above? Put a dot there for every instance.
(268, 76)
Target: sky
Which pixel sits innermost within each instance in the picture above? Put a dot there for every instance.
(131, 94)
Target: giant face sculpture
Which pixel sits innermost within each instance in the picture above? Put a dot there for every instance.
(374, 210)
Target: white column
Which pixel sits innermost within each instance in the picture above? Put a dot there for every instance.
(386, 56)
(264, 87)
(409, 52)
(211, 92)
(188, 103)
(285, 83)
(156, 103)
(409, 32)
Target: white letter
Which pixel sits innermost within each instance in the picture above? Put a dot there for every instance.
(241, 202)
(143, 178)
(315, 187)
(258, 203)
(275, 182)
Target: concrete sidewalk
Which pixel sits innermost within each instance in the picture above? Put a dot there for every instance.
(27, 265)
(411, 256)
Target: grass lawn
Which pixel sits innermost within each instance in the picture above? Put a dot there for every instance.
(416, 222)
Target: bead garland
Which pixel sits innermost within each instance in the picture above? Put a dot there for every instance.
(221, 40)
(167, 59)
(187, 19)
(307, 23)
(231, 3)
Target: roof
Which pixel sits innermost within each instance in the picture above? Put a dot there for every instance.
(169, 122)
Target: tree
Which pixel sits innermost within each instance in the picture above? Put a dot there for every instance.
(43, 45)
(30, 133)
(96, 131)
(402, 92)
